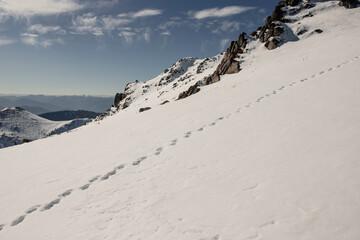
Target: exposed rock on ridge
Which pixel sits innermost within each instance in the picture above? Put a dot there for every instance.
(229, 63)
(349, 3)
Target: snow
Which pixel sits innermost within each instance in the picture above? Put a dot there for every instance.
(269, 153)
(18, 124)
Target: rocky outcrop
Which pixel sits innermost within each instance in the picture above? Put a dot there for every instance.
(270, 33)
(118, 98)
(349, 3)
(192, 90)
(229, 63)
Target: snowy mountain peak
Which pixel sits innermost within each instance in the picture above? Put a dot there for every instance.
(18, 125)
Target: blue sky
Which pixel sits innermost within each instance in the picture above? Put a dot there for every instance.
(94, 47)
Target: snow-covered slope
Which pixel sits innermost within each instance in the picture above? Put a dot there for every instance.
(18, 125)
(271, 152)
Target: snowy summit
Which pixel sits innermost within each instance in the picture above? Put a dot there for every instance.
(259, 142)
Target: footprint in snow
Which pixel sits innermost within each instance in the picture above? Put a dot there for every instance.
(274, 92)
(158, 151)
(281, 88)
(220, 118)
(213, 124)
(86, 186)
(187, 135)
(139, 160)
(51, 204)
(173, 142)
(217, 237)
(32, 209)
(200, 129)
(66, 193)
(2, 226)
(338, 66)
(94, 179)
(18, 220)
(313, 76)
(322, 72)
(303, 80)
(330, 69)
(121, 166)
(249, 105)
(106, 176)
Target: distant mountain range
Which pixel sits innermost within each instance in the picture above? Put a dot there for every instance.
(39, 104)
(19, 126)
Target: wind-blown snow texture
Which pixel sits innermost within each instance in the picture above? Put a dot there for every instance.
(271, 152)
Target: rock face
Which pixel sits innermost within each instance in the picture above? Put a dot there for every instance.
(118, 98)
(192, 90)
(349, 3)
(229, 64)
(271, 31)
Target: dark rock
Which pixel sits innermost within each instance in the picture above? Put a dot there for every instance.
(292, 3)
(272, 44)
(192, 90)
(301, 31)
(349, 3)
(318, 30)
(25, 141)
(144, 109)
(229, 64)
(118, 98)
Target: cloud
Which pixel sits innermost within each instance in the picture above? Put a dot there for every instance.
(6, 41)
(146, 35)
(141, 13)
(127, 35)
(219, 12)
(35, 40)
(147, 13)
(166, 33)
(41, 29)
(227, 26)
(87, 23)
(223, 44)
(110, 22)
(28, 8)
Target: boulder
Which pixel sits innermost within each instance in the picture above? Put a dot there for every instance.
(349, 3)
(192, 90)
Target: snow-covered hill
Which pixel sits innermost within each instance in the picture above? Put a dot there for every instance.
(18, 126)
(271, 152)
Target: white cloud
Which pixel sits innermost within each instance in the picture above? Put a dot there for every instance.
(146, 35)
(35, 40)
(6, 41)
(147, 13)
(87, 23)
(219, 12)
(227, 26)
(223, 44)
(110, 23)
(128, 36)
(141, 13)
(28, 8)
(166, 33)
(41, 29)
